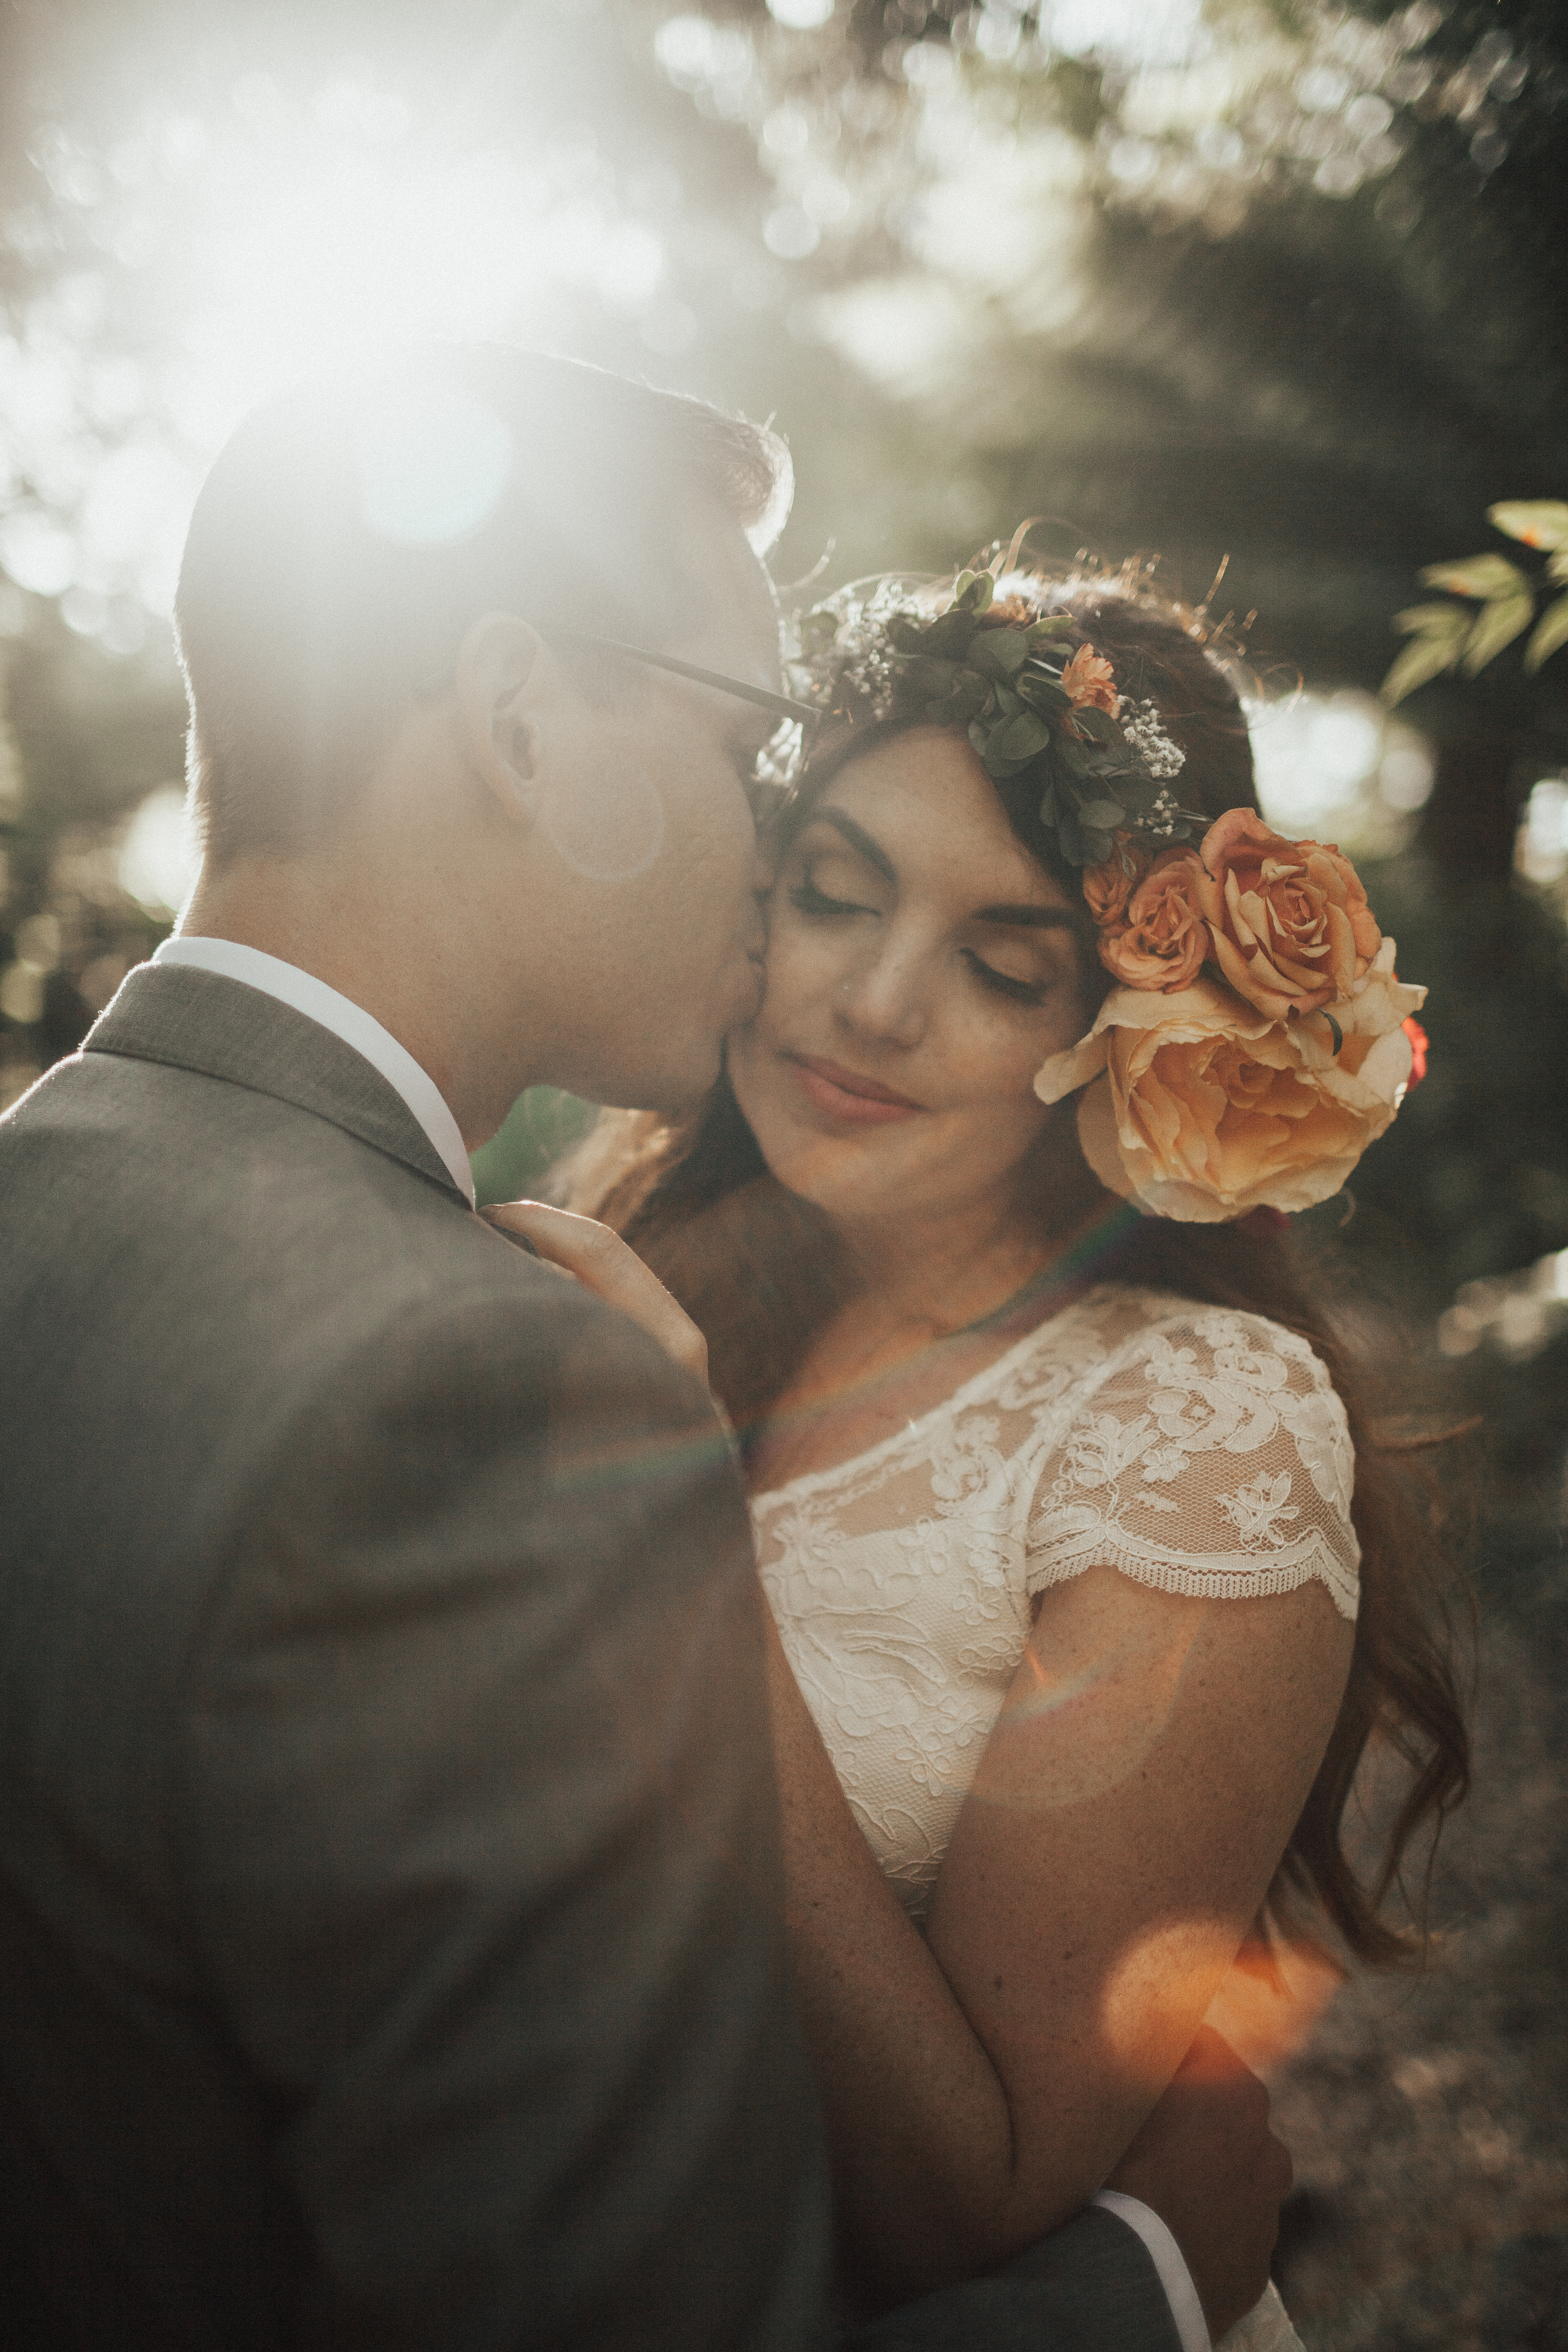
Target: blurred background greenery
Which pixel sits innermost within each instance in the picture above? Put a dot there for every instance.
(1274, 286)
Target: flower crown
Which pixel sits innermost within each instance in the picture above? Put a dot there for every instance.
(1258, 1038)
(1035, 698)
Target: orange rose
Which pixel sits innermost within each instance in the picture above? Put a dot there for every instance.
(1202, 1108)
(1291, 927)
(1162, 939)
(1089, 678)
(1107, 888)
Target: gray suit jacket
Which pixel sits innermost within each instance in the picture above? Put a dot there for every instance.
(388, 1872)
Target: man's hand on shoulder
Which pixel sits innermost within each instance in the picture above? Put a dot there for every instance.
(1208, 2163)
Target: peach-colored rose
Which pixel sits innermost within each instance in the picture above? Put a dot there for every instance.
(1201, 1108)
(1291, 927)
(1089, 678)
(1163, 940)
(1107, 887)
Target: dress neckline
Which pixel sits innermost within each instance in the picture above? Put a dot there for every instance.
(808, 1481)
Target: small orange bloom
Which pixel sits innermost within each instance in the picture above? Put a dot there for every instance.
(1089, 678)
(1163, 938)
(1107, 888)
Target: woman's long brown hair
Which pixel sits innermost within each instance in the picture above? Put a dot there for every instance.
(760, 1271)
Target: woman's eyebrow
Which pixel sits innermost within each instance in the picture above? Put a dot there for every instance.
(1029, 918)
(858, 838)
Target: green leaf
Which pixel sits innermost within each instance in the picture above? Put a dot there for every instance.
(1071, 840)
(1073, 757)
(927, 675)
(950, 635)
(1104, 815)
(1432, 620)
(997, 653)
(1048, 807)
(1099, 724)
(1097, 845)
(973, 590)
(1051, 630)
(1551, 631)
(1539, 523)
(1483, 577)
(979, 736)
(1041, 693)
(1496, 626)
(1339, 1034)
(1427, 658)
(1021, 738)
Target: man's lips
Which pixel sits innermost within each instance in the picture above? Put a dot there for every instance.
(845, 1095)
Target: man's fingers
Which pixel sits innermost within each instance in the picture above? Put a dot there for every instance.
(603, 1264)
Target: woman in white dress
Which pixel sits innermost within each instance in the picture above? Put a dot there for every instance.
(1065, 1506)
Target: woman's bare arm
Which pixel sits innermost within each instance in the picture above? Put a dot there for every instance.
(1127, 1817)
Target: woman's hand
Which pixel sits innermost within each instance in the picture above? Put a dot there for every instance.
(603, 1263)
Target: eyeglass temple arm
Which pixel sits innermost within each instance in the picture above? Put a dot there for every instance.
(802, 712)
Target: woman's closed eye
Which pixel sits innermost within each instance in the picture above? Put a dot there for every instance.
(809, 899)
(1003, 983)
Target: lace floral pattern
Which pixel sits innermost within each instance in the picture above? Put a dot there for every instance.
(1199, 1450)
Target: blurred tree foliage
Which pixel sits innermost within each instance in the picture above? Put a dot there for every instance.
(1293, 302)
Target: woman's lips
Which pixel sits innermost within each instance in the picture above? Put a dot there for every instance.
(844, 1094)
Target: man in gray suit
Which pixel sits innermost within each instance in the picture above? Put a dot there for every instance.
(388, 1883)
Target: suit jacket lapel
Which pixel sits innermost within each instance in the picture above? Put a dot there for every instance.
(203, 1021)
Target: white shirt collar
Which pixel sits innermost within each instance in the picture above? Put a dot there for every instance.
(351, 1022)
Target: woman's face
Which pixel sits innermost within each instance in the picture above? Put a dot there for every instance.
(921, 967)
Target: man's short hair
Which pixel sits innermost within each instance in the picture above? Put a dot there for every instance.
(347, 537)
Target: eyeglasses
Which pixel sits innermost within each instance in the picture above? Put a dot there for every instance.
(781, 758)
(802, 713)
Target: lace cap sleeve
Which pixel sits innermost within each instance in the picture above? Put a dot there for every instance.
(1212, 1459)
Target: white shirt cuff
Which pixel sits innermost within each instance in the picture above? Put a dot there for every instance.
(1167, 2256)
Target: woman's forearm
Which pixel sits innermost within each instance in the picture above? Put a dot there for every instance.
(925, 2177)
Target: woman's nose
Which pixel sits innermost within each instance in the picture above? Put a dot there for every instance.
(883, 1000)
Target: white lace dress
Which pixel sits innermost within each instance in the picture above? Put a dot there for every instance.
(1199, 1450)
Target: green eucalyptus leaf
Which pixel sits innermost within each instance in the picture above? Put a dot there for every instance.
(1137, 793)
(1097, 845)
(979, 736)
(950, 636)
(1073, 756)
(974, 592)
(1104, 815)
(1007, 700)
(1551, 631)
(1040, 690)
(997, 653)
(1482, 576)
(1071, 839)
(1021, 738)
(905, 636)
(1048, 807)
(1497, 626)
(1539, 523)
(1098, 724)
(1050, 631)
(926, 674)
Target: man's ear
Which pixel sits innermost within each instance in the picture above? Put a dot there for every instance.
(507, 681)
